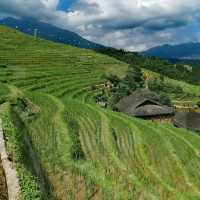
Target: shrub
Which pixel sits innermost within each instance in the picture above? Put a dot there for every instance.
(164, 99)
(134, 78)
(101, 97)
(93, 87)
(76, 149)
(158, 85)
(113, 79)
(3, 66)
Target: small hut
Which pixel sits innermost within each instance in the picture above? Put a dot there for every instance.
(144, 104)
(188, 120)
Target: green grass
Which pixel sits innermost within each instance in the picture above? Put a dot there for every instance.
(191, 92)
(19, 153)
(121, 157)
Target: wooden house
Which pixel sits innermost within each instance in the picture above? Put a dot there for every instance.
(143, 105)
(187, 120)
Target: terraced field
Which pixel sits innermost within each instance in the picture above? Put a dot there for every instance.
(73, 149)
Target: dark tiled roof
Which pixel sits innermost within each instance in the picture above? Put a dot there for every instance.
(143, 104)
(188, 120)
(153, 110)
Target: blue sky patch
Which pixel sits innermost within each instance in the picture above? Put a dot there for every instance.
(65, 4)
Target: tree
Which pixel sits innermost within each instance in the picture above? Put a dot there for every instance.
(164, 99)
(134, 78)
(113, 79)
(159, 85)
(122, 91)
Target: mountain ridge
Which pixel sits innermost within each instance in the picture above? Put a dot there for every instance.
(189, 50)
(49, 32)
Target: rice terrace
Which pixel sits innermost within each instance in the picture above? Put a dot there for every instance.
(65, 145)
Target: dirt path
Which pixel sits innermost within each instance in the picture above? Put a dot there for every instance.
(3, 185)
(10, 171)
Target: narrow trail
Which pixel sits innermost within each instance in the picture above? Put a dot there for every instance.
(10, 171)
(3, 185)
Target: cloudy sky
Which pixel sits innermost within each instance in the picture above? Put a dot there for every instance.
(130, 24)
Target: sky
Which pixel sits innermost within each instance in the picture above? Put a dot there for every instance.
(134, 25)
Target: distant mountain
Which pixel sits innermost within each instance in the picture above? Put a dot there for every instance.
(181, 51)
(49, 32)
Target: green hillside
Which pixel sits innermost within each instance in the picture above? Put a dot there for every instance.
(66, 147)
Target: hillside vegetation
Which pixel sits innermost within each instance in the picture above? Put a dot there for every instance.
(66, 147)
(186, 71)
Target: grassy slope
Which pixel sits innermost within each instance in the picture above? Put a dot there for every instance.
(123, 157)
(192, 92)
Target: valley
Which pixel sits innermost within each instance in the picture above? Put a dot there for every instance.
(65, 146)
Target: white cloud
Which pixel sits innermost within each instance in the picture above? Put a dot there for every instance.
(131, 24)
(132, 13)
(51, 4)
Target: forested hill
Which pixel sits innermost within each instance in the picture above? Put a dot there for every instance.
(181, 51)
(179, 70)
